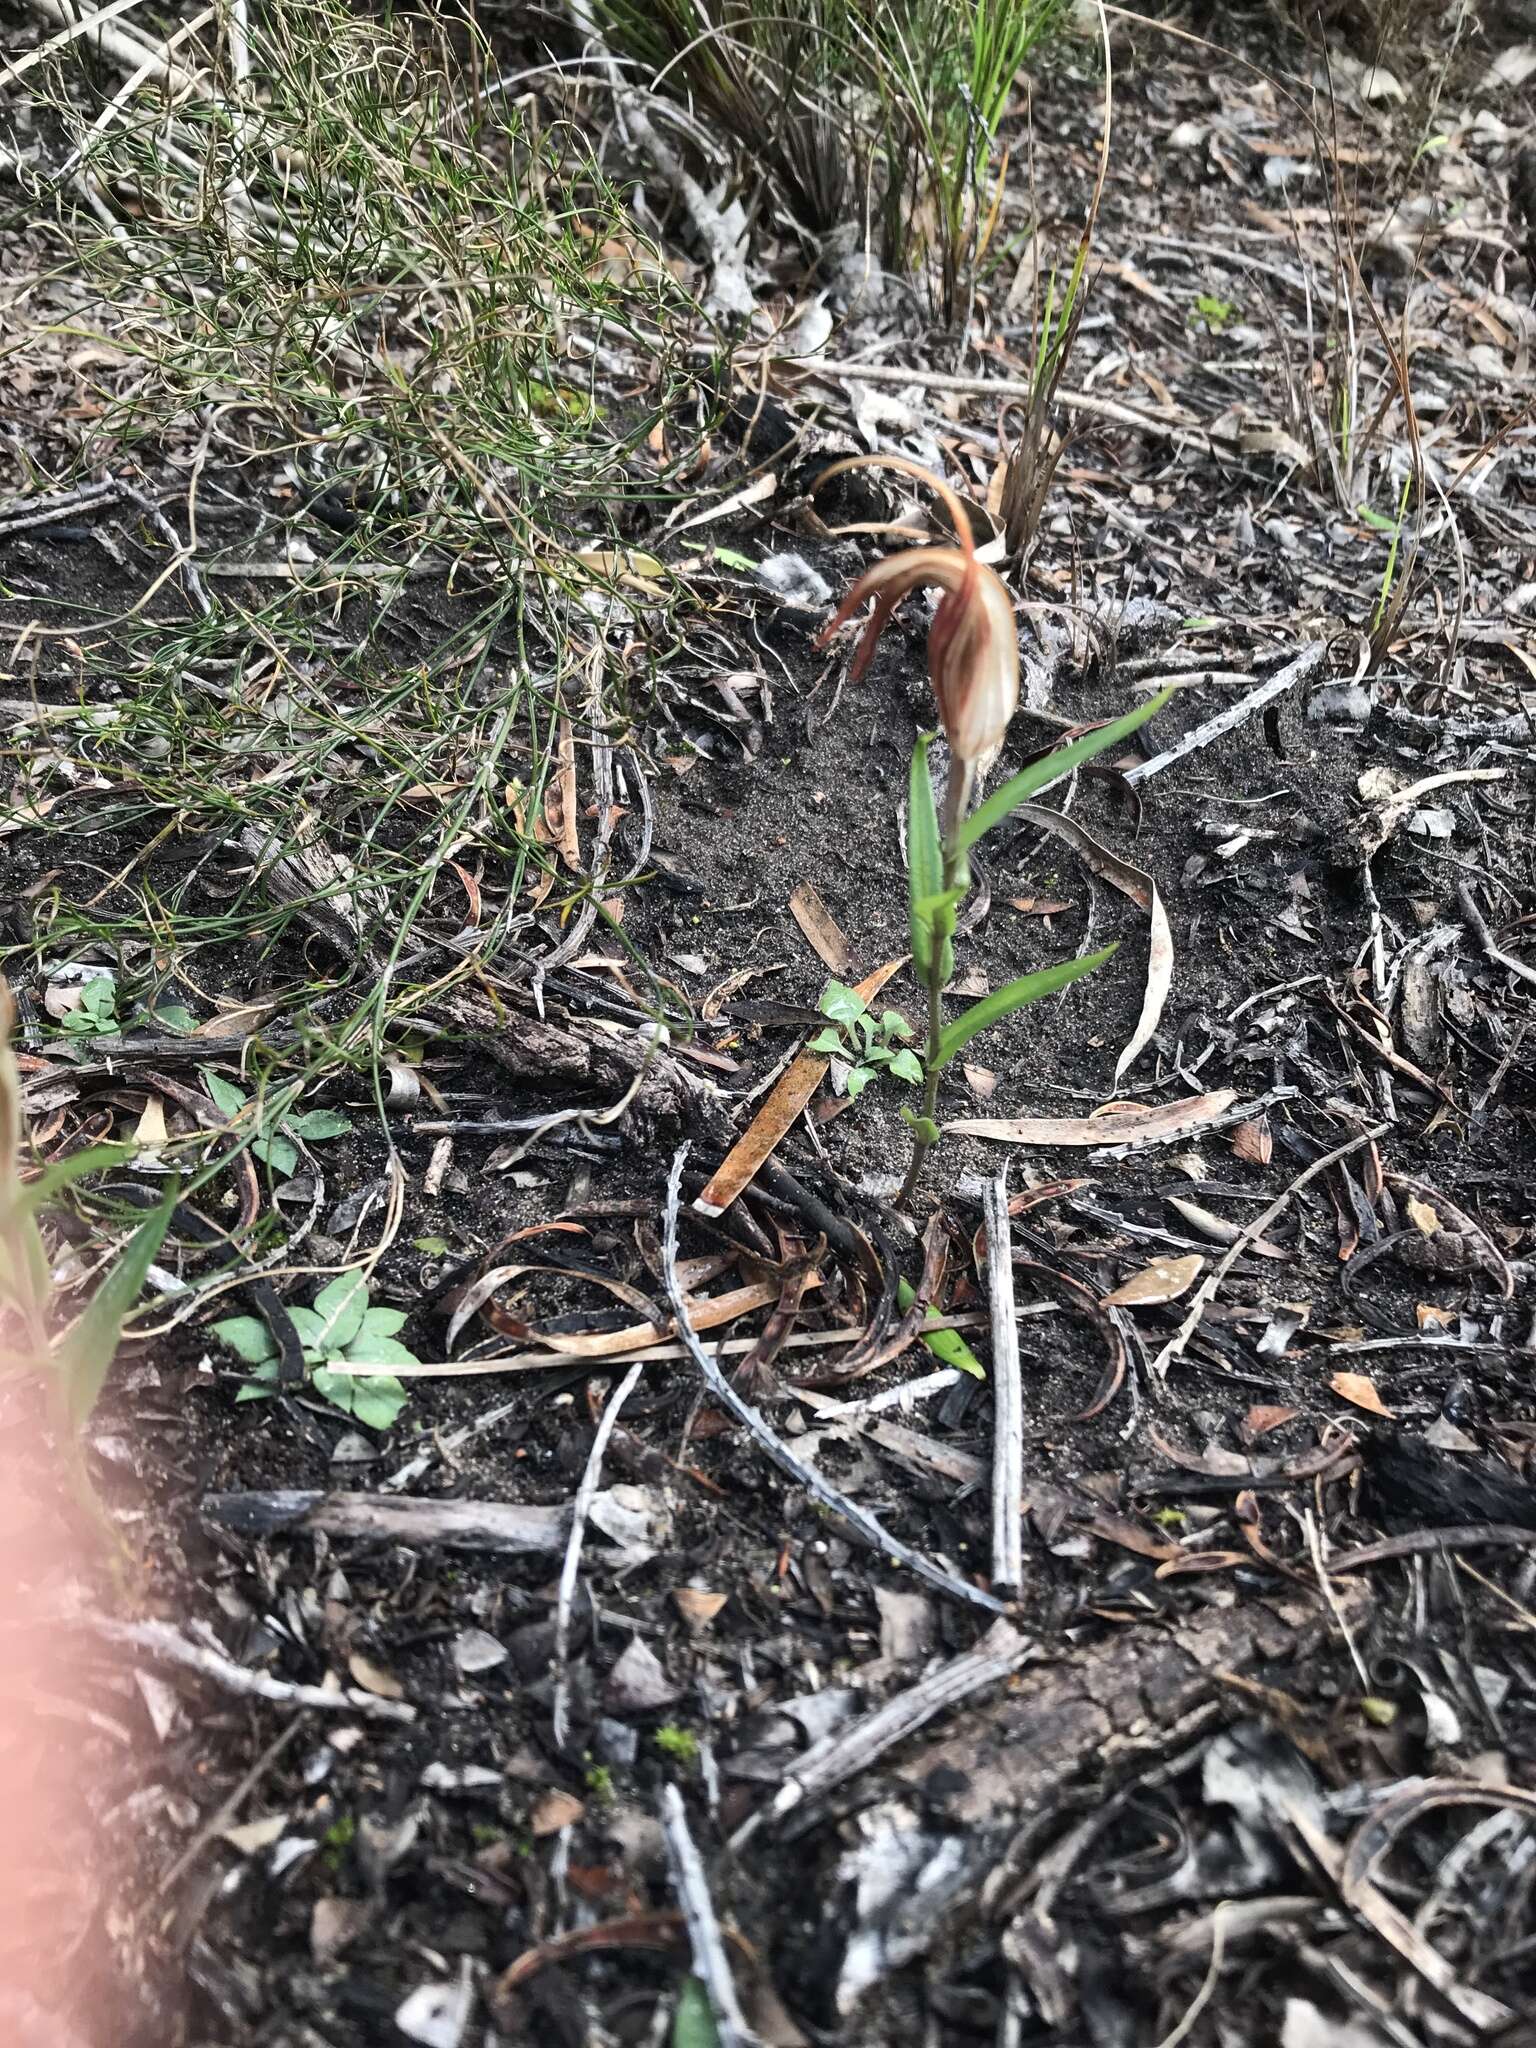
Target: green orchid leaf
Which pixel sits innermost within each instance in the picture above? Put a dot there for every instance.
(248, 1337)
(38, 1193)
(948, 1346)
(1029, 988)
(340, 1308)
(1024, 785)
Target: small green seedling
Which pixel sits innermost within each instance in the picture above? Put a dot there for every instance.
(1213, 313)
(341, 1329)
(862, 1043)
(681, 1744)
(273, 1142)
(95, 1015)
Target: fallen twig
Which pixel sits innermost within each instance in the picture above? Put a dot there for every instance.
(565, 1598)
(710, 1964)
(1208, 1289)
(1008, 1400)
(827, 1763)
(1299, 670)
(1492, 950)
(855, 1518)
(159, 1640)
(493, 1525)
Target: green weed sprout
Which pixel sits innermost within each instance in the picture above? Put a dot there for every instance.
(341, 1329)
(973, 662)
(865, 1044)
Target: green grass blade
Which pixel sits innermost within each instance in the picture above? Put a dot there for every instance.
(1035, 777)
(39, 1192)
(1002, 1002)
(85, 1357)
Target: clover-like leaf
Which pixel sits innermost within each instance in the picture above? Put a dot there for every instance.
(341, 1307)
(894, 1025)
(248, 1337)
(318, 1123)
(841, 1003)
(262, 1384)
(906, 1066)
(828, 1041)
(859, 1079)
(373, 1401)
(278, 1153)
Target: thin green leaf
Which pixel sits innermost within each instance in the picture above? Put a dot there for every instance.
(1029, 988)
(85, 1357)
(38, 1193)
(948, 1346)
(248, 1337)
(925, 862)
(1025, 784)
(693, 2023)
(341, 1307)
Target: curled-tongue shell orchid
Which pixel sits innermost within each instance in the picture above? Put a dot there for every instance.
(973, 659)
(973, 643)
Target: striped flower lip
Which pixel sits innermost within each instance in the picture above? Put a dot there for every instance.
(973, 643)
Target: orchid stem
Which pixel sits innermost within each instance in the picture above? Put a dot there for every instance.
(955, 871)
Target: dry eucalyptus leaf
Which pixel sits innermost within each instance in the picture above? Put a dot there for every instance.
(556, 1810)
(374, 1678)
(1357, 1388)
(982, 1079)
(1254, 1142)
(697, 1605)
(1260, 1420)
(1164, 1280)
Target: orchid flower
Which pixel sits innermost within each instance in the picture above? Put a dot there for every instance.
(973, 645)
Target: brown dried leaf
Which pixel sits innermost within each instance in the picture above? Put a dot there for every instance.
(1357, 1388)
(1423, 1215)
(1124, 1125)
(982, 1079)
(1254, 1142)
(1164, 1280)
(697, 1605)
(1260, 1420)
(1038, 906)
(556, 1810)
(819, 926)
(373, 1677)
